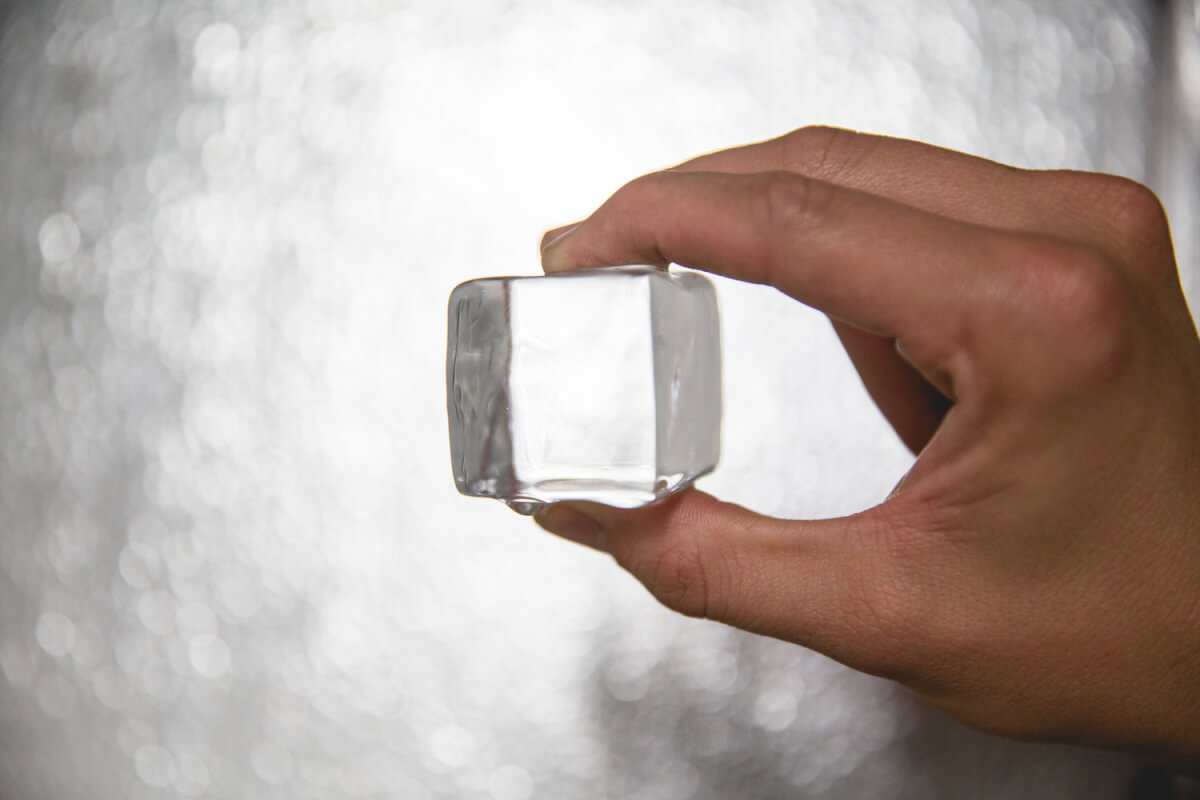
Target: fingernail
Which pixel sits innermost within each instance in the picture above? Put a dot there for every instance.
(573, 525)
(554, 234)
(553, 252)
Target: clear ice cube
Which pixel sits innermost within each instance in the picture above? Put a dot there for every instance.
(600, 385)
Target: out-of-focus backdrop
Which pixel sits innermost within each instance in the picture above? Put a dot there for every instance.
(232, 560)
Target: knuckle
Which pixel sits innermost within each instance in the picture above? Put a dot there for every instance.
(633, 193)
(1126, 214)
(679, 578)
(823, 151)
(620, 224)
(1093, 311)
(1132, 208)
(1087, 302)
(793, 202)
(685, 558)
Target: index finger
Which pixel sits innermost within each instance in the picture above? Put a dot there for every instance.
(884, 266)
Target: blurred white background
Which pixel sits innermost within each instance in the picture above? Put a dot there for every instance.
(232, 560)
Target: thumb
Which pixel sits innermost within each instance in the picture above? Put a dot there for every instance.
(822, 584)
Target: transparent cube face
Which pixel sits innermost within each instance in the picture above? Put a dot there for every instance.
(599, 385)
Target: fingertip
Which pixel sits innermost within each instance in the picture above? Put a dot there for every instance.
(552, 248)
(571, 521)
(617, 530)
(699, 512)
(549, 237)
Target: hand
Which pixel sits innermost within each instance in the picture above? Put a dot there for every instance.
(1037, 572)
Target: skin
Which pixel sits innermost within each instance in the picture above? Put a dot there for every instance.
(1036, 574)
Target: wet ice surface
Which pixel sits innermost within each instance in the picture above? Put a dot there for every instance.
(231, 562)
(597, 385)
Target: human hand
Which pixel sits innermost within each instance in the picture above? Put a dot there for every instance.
(1037, 572)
